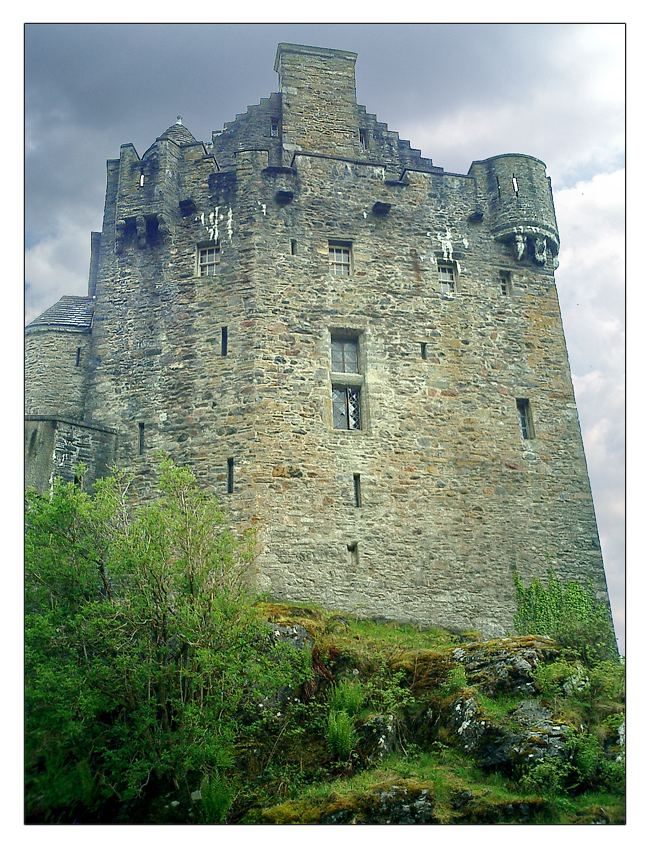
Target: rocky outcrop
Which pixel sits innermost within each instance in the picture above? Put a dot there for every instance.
(505, 665)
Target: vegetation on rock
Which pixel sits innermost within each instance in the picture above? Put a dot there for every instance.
(159, 690)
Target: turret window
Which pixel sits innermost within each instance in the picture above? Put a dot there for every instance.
(208, 258)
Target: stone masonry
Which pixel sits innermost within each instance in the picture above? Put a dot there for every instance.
(408, 480)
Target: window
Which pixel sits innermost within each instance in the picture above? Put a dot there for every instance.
(231, 475)
(141, 179)
(515, 186)
(294, 247)
(141, 437)
(78, 357)
(346, 407)
(347, 382)
(208, 260)
(525, 418)
(447, 277)
(505, 282)
(340, 258)
(423, 350)
(363, 139)
(224, 341)
(275, 128)
(345, 355)
(357, 490)
(353, 552)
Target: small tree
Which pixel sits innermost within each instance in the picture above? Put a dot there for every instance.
(569, 613)
(143, 649)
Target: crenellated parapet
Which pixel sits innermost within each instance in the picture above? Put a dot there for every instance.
(154, 191)
(519, 201)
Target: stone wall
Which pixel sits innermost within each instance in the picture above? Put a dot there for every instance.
(56, 371)
(56, 447)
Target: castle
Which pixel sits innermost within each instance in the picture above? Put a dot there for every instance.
(361, 353)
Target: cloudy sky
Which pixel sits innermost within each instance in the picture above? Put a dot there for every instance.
(457, 92)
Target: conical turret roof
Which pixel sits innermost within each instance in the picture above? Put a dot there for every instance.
(71, 312)
(179, 134)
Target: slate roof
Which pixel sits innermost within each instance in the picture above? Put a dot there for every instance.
(71, 312)
(179, 134)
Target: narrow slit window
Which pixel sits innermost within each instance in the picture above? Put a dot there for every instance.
(275, 128)
(224, 341)
(357, 490)
(498, 188)
(340, 258)
(141, 179)
(141, 437)
(515, 185)
(353, 553)
(423, 350)
(231, 475)
(525, 418)
(78, 357)
(363, 138)
(294, 247)
(208, 260)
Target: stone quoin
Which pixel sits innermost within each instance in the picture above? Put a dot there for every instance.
(361, 353)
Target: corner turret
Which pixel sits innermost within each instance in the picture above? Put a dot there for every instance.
(519, 200)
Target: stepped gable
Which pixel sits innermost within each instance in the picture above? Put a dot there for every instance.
(250, 129)
(387, 145)
(71, 312)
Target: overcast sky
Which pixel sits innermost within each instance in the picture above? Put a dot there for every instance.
(457, 92)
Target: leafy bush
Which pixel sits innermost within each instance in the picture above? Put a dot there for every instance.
(456, 680)
(348, 696)
(142, 651)
(569, 613)
(341, 734)
(547, 777)
(553, 679)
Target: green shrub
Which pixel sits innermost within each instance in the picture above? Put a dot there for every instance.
(456, 680)
(547, 777)
(551, 679)
(341, 734)
(349, 696)
(216, 798)
(567, 612)
(143, 649)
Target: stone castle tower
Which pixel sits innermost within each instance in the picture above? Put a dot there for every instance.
(360, 352)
